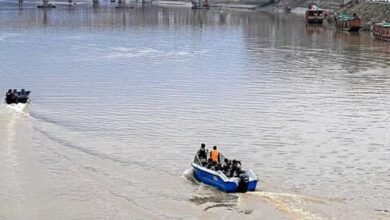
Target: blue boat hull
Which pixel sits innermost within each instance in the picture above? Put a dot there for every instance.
(219, 181)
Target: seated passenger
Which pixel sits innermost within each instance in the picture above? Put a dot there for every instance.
(209, 163)
(215, 166)
(22, 96)
(235, 164)
(225, 166)
(15, 96)
(238, 172)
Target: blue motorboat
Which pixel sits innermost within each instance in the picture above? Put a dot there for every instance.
(15, 96)
(242, 181)
(18, 100)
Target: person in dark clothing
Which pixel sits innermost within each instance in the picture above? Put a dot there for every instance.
(209, 163)
(236, 168)
(15, 96)
(9, 97)
(235, 164)
(22, 96)
(227, 167)
(202, 154)
(237, 172)
(215, 166)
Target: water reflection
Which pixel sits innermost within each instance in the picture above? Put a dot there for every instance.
(105, 16)
(313, 30)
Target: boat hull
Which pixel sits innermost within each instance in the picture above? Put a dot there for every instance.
(353, 24)
(220, 181)
(381, 31)
(315, 20)
(315, 16)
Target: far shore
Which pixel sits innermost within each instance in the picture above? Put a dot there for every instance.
(370, 12)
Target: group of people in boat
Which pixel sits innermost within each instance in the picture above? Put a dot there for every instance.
(15, 96)
(212, 160)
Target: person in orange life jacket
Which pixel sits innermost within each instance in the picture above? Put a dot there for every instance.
(214, 155)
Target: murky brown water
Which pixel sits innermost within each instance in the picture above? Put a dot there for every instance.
(123, 98)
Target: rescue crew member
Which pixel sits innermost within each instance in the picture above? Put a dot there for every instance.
(9, 97)
(214, 155)
(15, 96)
(22, 96)
(202, 154)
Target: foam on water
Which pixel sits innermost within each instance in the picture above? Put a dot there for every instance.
(6, 36)
(293, 204)
(20, 108)
(189, 176)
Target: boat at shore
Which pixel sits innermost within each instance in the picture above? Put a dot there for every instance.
(243, 181)
(381, 31)
(314, 15)
(348, 23)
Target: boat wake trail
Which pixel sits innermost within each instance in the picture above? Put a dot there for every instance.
(45, 119)
(294, 206)
(87, 150)
(20, 109)
(11, 167)
(52, 127)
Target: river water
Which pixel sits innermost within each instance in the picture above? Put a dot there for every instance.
(122, 99)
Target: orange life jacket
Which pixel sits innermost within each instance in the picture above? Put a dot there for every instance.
(214, 155)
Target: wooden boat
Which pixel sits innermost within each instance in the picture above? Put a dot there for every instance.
(348, 23)
(315, 15)
(381, 31)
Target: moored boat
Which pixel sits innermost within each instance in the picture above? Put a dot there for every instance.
(348, 23)
(381, 31)
(315, 15)
(241, 180)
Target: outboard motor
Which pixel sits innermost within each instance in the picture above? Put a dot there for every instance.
(243, 183)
